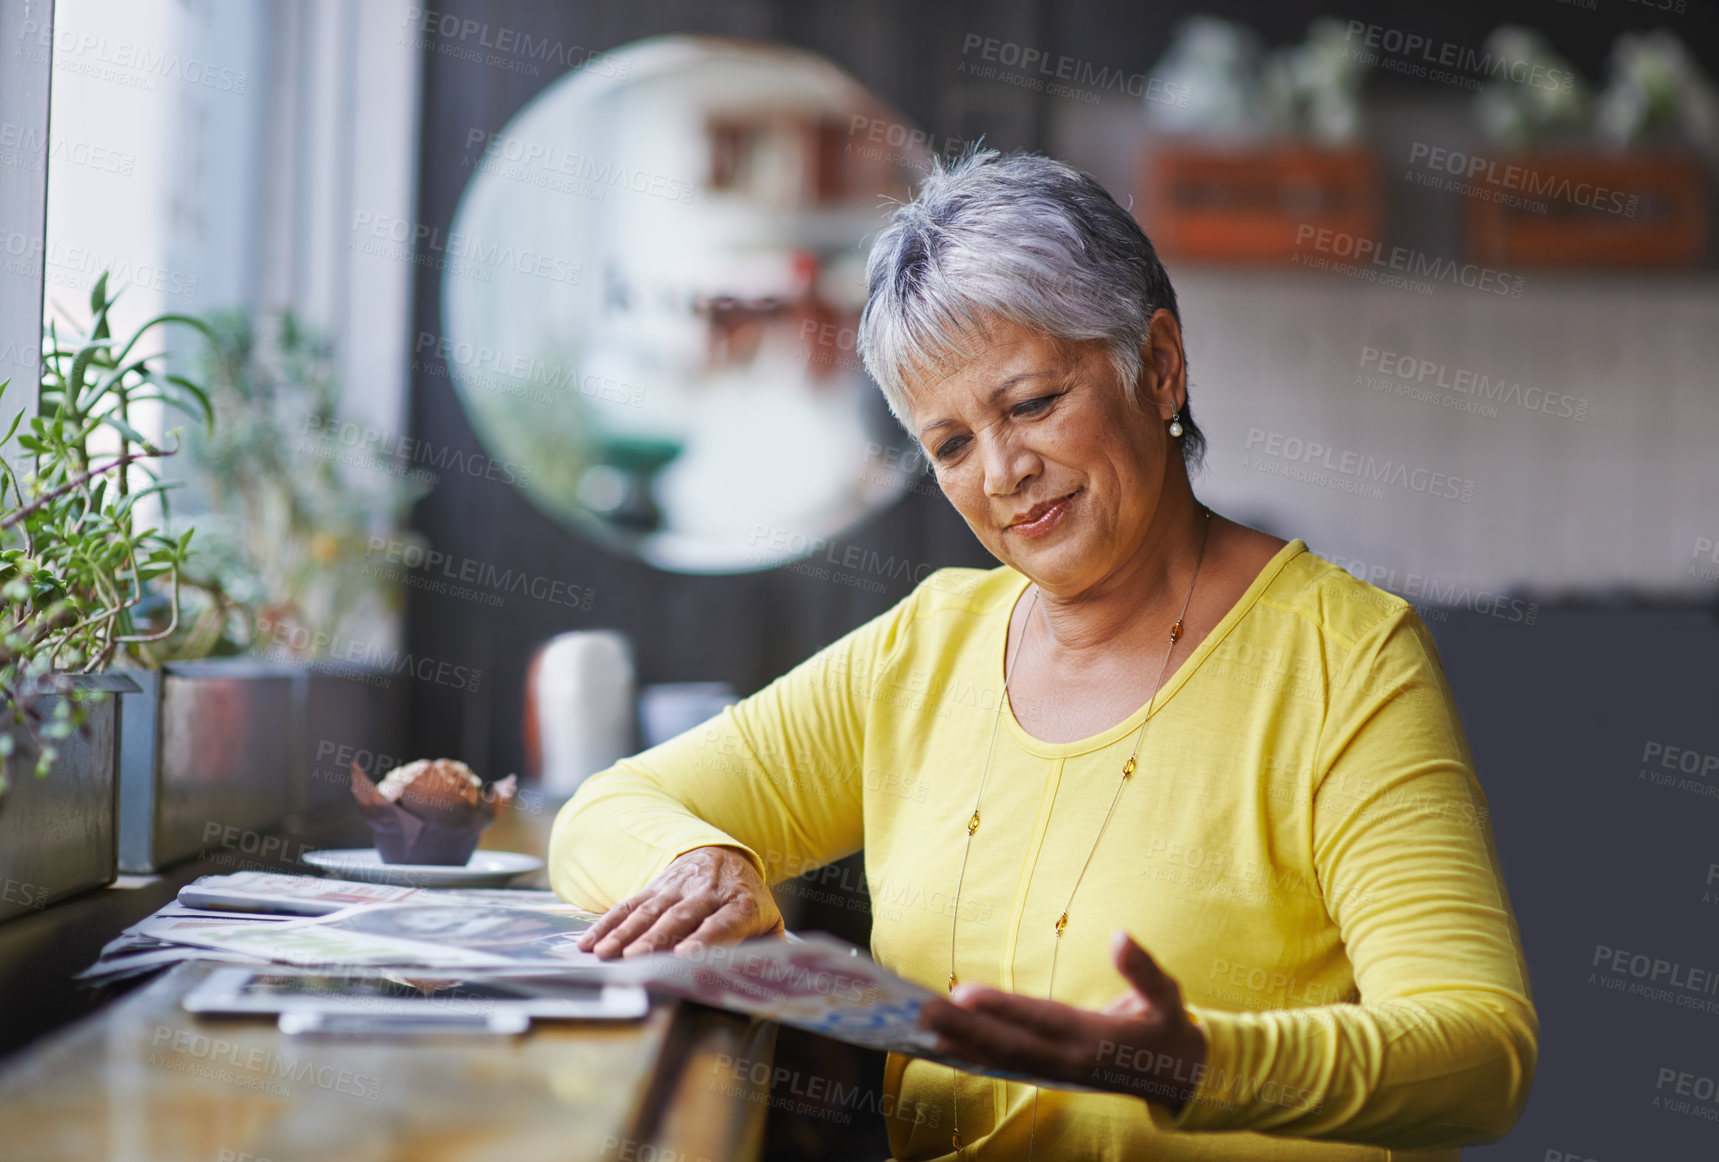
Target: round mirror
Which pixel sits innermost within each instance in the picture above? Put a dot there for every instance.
(650, 296)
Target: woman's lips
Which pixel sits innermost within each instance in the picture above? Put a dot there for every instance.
(1049, 520)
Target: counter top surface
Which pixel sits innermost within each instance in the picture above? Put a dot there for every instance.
(142, 1080)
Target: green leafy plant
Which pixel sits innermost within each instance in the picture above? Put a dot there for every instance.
(1656, 94)
(76, 564)
(286, 530)
(1538, 100)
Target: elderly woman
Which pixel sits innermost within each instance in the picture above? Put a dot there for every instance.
(1174, 809)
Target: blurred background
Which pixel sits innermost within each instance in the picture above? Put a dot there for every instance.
(528, 337)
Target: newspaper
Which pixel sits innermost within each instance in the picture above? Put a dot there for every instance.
(166, 937)
(816, 982)
(269, 892)
(820, 984)
(132, 953)
(435, 935)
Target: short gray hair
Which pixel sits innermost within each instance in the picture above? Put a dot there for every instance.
(1019, 237)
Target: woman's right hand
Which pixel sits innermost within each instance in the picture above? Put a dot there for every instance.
(710, 895)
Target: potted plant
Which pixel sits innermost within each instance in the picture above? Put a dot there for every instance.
(1251, 147)
(211, 741)
(1579, 180)
(76, 564)
(294, 514)
(193, 747)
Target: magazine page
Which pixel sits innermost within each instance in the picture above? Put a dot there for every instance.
(820, 984)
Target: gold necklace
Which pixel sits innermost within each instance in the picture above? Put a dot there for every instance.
(973, 820)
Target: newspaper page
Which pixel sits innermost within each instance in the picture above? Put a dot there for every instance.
(279, 892)
(820, 984)
(414, 935)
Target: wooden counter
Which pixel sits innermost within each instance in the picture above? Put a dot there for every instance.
(142, 1080)
(145, 1081)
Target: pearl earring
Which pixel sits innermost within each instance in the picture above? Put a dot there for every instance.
(1176, 423)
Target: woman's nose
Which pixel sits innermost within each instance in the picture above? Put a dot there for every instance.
(1007, 463)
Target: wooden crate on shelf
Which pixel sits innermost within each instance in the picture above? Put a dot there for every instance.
(1591, 210)
(1254, 205)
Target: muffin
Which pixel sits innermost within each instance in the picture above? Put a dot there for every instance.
(439, 783)
(429, 811)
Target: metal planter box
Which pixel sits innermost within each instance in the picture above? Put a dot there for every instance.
(208, 754)
(57, 833)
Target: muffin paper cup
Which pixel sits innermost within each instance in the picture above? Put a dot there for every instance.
(416, 832)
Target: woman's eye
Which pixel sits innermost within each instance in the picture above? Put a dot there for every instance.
(948, 448)
(1034, 406)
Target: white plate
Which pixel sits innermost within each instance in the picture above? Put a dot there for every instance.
(485, 869)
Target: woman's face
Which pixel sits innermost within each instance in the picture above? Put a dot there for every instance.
(1025, 424)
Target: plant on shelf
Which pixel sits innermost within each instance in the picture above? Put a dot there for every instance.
(1220, 85)
(78, 564)
(1538, 100)
(285, 529)
(1656, 95)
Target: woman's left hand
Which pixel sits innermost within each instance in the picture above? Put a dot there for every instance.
(1142, 1043)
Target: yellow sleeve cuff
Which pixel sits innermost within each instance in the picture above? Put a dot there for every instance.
(691, 836)
(1207, 1106)
(629, 862)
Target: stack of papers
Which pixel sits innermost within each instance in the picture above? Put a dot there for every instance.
(260, 916)
(816, 982)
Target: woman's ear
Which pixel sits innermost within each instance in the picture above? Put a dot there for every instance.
(1162, 369)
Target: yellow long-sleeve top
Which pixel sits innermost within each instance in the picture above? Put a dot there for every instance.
(1304, 847)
